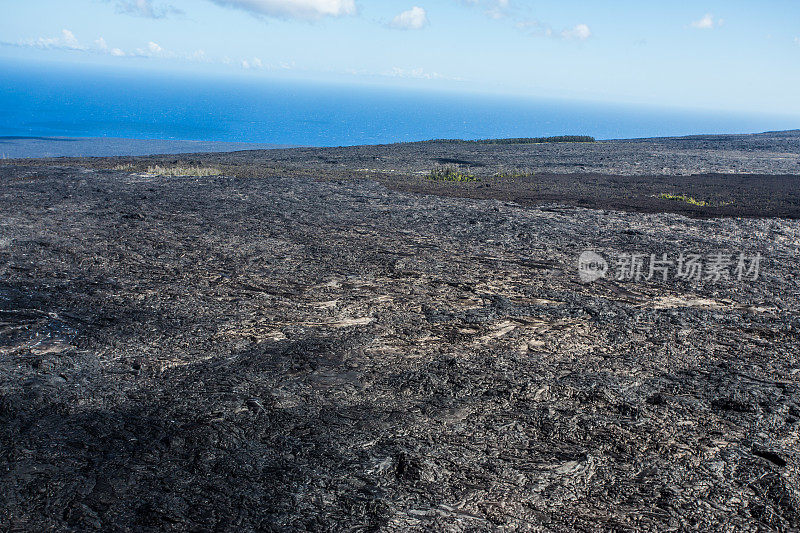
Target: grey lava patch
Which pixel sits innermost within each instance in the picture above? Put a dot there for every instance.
(263, 350)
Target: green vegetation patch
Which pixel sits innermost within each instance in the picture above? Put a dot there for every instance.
(195, 171)
(450, 173)
(691, 201)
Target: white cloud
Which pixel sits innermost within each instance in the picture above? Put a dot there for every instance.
(68, 41)
(297, 9)
(581, 32)
(65, 41)
(153, 50)
(69, 38)
(102, 46)
(414, 19)
(145, 8)
(706, 23)
(797, 40)
(254, 63)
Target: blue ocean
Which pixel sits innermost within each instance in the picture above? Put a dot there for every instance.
(79, 103)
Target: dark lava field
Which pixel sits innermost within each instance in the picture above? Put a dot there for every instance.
(325, 340)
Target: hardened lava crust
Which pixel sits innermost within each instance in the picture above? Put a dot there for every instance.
(284, 343)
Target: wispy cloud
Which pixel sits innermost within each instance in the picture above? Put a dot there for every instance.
(254, 63)
(495, 9)
(417, 73)
(65, 41)
(413, 19)
(146, 9)
(580, 32)
(151, 50)
(293, 9)
(523, 21)
(707, 22)
(498, 9)
(534, 27)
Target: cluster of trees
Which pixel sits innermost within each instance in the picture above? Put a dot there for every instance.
(536, 140)
(522, 140)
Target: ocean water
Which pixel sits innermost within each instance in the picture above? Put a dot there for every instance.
(12, 147)
(82, 102)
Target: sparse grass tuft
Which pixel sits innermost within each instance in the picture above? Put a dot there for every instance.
(127, 167)
(450, 173)
(158, 170)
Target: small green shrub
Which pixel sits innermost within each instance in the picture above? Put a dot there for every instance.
(449, 173)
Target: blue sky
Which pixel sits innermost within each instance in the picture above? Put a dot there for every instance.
(717, 55)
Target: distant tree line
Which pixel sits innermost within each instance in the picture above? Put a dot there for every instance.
(523, 140)
(536, 140)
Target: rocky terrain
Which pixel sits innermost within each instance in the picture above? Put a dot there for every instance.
(297, 344)
(736, 175)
